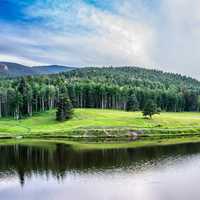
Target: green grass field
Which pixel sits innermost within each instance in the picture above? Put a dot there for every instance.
(96, 119)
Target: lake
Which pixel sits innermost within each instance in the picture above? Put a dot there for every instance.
(57, 172)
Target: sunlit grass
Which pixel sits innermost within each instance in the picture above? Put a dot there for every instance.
(98, 119)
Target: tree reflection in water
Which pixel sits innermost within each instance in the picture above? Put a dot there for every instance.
(58, 160)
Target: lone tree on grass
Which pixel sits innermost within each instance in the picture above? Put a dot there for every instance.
(132, 103)
(150, 109)
(64, 108)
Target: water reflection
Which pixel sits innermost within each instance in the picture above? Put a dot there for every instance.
(59, 159)
(144, 173)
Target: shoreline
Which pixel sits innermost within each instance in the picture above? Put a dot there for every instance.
(112, 133)
(101, 126)
(84, 144)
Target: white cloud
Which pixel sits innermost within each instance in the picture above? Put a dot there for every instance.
(178, 41)
(109, 39)
(133, 33)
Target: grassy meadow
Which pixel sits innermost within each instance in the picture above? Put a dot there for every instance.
(91, 122)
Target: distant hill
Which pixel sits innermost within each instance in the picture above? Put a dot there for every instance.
(125, 88)
(15, 69)
(51, 69)
(134, 77)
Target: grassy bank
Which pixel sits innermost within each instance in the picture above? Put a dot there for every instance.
(50, 143)
(103, 123)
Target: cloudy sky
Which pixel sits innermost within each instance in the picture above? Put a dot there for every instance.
(161, 34)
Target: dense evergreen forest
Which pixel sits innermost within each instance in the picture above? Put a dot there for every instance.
(126, 88)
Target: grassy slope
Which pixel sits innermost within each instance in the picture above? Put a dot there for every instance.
(44, 123)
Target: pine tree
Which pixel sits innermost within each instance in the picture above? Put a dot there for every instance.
(150, 109)
(26, 92)
(132, 103)
(64, 108)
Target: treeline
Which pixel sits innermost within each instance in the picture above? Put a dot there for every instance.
(117, 88)
(114, 88)
(22, 97)
(116, 97)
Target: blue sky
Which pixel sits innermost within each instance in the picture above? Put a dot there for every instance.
(161, 34)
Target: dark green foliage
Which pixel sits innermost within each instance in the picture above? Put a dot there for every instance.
(150, 109)
(132, 103)
(24, 91)
(110, 88)
(64, 108)
(125, 88)
(134, 77)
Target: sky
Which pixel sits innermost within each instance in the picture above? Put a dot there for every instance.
(158, 34)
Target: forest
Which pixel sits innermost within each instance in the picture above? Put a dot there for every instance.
(123, 88)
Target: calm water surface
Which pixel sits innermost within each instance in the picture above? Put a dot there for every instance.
(57, 172)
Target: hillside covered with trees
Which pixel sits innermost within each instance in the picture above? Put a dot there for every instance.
(124, 88)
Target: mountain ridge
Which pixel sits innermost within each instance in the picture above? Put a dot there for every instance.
(132, 75)
(12, 69)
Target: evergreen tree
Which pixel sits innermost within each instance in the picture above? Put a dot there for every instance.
(64, 108)
(106, 88)
(132, 103)
(150, 109)
(26, 93)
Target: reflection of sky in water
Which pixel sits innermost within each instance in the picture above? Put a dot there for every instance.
(167, 179)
